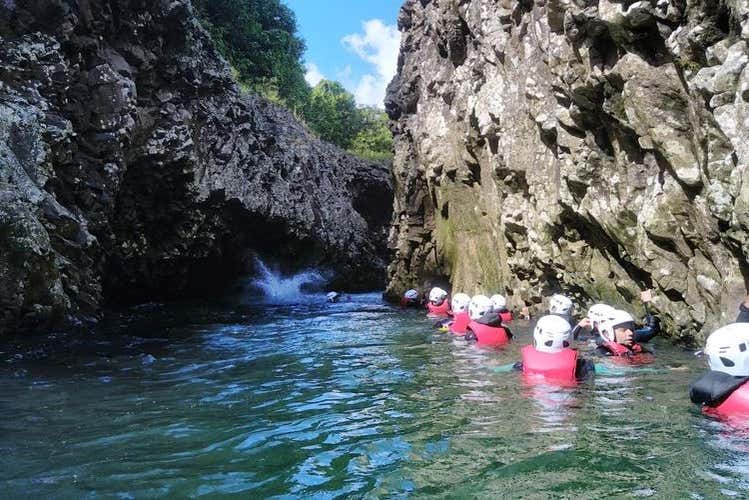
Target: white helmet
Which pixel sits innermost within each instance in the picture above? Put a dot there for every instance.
(613, 319)
(460, 302)
(332, 296)
(437, 295)
(480, 305)
(727, 349)
(499, 302)
(559, 304)
(552, 334)
(411, 294)
(598, 312)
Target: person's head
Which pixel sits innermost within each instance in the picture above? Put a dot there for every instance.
(460, 302)
(559, 304)
(617, 326)
(499, 302)
(598, 312)
(551, 334)
(437, 296)
(727, 349)
(411, 295)
(480, 305)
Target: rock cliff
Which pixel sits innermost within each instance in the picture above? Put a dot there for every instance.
(593, 147)
(133, 169)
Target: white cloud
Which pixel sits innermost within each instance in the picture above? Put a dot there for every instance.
(378, 45)
(313, 74)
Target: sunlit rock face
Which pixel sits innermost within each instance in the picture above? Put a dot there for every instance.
(591, 147)
(132, 168)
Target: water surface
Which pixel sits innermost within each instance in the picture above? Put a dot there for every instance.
(328, 400)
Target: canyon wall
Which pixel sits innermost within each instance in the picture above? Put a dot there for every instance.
(591, 147)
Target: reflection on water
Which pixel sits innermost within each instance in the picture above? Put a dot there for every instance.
(354, 398)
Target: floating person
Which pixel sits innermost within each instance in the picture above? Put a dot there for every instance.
(411, 299)
(619, 338)
(486, 328)
(461, 317)
(333, 297)
(499, 306)
(561, 305)
(438, 305)
(550, 356)
(591, 322)
(722, 391)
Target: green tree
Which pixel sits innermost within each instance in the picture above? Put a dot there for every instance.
(259, 38)
(374, 140)
(331, 112)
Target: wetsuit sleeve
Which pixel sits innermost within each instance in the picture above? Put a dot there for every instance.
(508, 368)
(602, 350)
(651, 329)
(584, 368)
(743, 316)
(576, 332)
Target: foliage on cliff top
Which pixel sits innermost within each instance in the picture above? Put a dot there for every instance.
(259, 38)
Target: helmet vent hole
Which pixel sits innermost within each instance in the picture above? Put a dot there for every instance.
(742, 347)
(566, 344)
(549, 343)
(727, 362)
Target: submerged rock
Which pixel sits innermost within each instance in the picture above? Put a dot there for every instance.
(133, 169)
(596, 148)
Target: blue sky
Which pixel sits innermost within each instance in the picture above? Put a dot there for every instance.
(352, 41)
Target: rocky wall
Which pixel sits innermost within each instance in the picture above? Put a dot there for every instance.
(133, 169)
(591, 147)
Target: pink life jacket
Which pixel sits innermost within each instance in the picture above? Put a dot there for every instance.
(622, 354)
(559, 366)
(737, 404)
(440, 310)
(490, 335)
(505, 316)
(460, 322)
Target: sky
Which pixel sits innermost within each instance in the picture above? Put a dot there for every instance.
(354, 42)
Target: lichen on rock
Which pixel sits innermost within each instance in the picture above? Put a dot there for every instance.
(595, 148)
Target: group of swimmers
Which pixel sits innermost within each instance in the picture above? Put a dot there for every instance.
(722, 391)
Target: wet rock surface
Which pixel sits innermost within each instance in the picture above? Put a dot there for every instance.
(596, 148)
(132, 168)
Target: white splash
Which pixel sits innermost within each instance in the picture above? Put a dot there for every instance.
(284, 290)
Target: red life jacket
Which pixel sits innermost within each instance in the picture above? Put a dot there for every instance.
(459, 324)
(505, 316)
(491, 335)
(440, 310)
(737, 404)
(618, 349)
(559, 366)
(622, 354)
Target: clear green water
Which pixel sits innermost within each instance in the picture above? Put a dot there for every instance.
(352, 399)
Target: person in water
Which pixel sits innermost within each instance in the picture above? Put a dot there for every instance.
(722, 390)
(411, 299)
(333, 297)
(619, 335)
(499, 308)
(438, 305)
(484, 327)
(550, 355)
(461, 318)
(591, 322)
(561, 306)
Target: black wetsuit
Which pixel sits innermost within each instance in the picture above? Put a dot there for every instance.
(713, 387)
(743, 316)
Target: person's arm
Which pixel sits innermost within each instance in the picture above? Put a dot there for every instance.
(508, 368)
(743, 316)
(651, 329)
